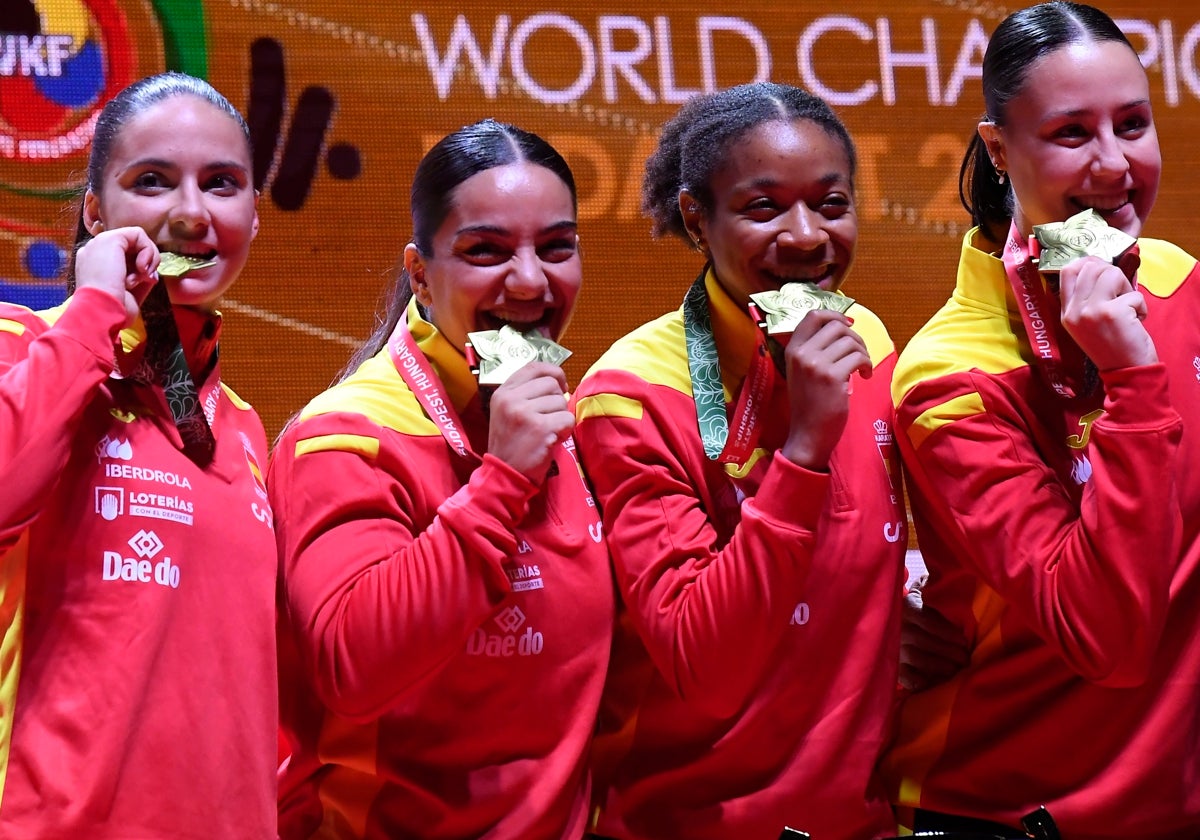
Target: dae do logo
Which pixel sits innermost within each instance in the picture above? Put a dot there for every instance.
(60, 60)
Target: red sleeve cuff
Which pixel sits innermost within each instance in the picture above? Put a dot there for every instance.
(88, 310)
(791, 495)
(1138, 396)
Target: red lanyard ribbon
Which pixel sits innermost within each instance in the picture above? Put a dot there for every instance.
(1039, 310)
(418, 375)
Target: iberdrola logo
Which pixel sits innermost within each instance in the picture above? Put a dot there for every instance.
(60, 61)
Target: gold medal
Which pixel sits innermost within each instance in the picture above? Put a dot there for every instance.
(495, 355)
(1084, 234)
(782, 310)
(177, 265)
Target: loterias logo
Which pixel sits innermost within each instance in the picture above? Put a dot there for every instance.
(60, 60)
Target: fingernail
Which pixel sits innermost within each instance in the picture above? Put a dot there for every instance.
(850, 320)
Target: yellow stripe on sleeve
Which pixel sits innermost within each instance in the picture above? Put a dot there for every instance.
(608, 405)
(362, 444)
(14, 327)
(943, 414)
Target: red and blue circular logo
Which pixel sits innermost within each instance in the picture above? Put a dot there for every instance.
(60, 61)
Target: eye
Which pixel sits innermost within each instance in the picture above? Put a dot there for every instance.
(225, 183)
(1070, 134)
(484, 252)
(835, 205)
(558, 250)
(1133, 125)
(760, 209)
(149, 181)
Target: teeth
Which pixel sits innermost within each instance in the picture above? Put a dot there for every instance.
(807, 278)
(1102, 206)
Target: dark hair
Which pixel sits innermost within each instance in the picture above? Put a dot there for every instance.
(1018, 42)
(118, 111)
(458, 156)
(695, 143)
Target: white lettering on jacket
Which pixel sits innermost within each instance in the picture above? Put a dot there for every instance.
(144, 474)
(116, 567)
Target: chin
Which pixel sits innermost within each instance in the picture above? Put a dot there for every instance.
(198, 297)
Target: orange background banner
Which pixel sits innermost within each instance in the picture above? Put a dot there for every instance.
(345, 97)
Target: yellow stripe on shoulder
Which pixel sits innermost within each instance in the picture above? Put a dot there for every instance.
(943, 414)
(48, 316)
(377, 392)
(1164, 267)
(874, 334)
(654, 352)
(608, 405)
(51, 315)
(961, 337)
(362, 444)
(237, 401)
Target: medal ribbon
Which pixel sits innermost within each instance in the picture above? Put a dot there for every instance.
(704, 366)
(418, 375)
(166, 365)
(1039, 310)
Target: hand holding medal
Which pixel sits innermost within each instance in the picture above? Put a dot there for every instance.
(524, 389)
(1102, 309)
(117, 261)
(778, 312)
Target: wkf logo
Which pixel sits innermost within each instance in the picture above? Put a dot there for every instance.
(60, 61)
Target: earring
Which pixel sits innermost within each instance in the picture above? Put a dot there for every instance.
(1000, 179)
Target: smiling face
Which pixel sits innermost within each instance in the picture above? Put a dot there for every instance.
(507, 253)
(783, 210)
(1080, 135)
(180, 170)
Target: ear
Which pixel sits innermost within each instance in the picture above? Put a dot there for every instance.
(414, 264)
(91, 213)
(993, 140)
(254, 225)
(694, 219)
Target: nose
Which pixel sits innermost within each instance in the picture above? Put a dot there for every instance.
(1109, 159)
(526, 278)
(189, 213)
(802, 228)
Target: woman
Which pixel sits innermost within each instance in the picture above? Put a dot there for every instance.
(1044, 423)
(447, 589)
(139, 650)
(760, 562)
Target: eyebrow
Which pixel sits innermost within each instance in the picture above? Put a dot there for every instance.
(1135, 103)
(163, 163)
(825, 180)
(566, 226)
